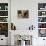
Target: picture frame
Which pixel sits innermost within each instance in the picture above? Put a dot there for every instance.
(23, 13)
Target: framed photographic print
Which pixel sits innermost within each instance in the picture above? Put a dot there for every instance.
(23, 13)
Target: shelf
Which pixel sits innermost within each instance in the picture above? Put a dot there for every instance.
(3, 10)
(3, 22)
(41, 10)
(42, 19)
(41, 22)
(42, 16)
(4, 19)
(3, 16)
(41, 28)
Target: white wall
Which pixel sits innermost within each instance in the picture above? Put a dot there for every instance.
(23, 24)
(32, 6)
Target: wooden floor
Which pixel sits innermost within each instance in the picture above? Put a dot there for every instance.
(3, 45)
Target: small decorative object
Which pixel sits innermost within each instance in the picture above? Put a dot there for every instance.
(45, 7)
(41, 8)
(6, 7)
(42, 32)
(43, 39)
(13, 27)
(0, 7)
(3, 13)
(31, 27)
(41, 19)
(4, 29)
(4, 26)
(23, 13)
(3, 19)
(43, 13)
(42, 25)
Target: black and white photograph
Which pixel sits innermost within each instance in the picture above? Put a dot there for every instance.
(23, 13)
